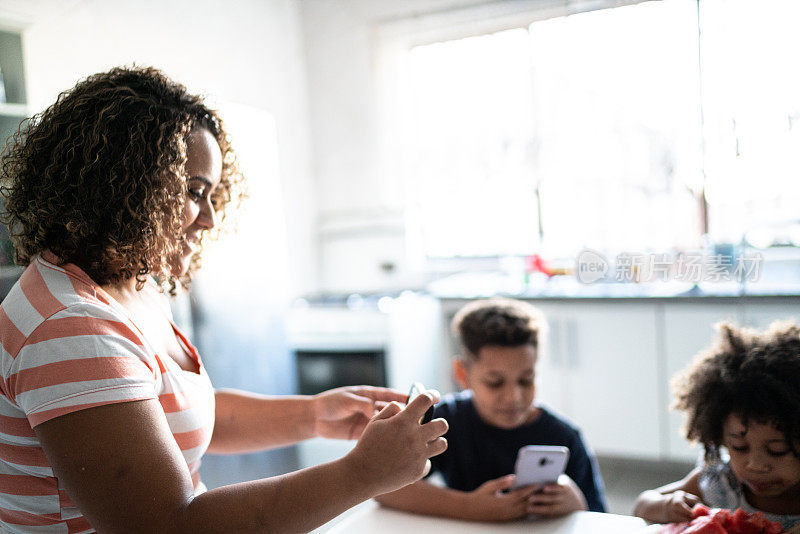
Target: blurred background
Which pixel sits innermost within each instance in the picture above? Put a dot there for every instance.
(631, 167)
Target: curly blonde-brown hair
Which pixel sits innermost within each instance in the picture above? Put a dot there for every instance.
(755, 375)
(98, 178)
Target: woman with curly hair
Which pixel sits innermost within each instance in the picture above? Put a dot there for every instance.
(105, 406)
(742, 399)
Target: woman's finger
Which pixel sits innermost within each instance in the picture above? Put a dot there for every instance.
(390, 410)
(379, 393)
(416, 408)
(437, 446)
(358, 404)
(434, 429)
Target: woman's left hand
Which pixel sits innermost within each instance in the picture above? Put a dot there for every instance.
(342, 413)
(557, 499)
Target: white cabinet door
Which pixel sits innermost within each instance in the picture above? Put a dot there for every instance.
(611, 376)
(688, 329)
(550, 376)
(759, 314)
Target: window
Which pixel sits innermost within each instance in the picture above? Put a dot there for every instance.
(473, 133)
(752, 119)
(596, 130)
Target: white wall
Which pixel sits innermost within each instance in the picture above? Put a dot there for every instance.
(248, 52)
(361, 205)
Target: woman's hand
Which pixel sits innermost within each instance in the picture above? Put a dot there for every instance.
(489, 503)
(394, 448)
(560, 498)
(342, 413)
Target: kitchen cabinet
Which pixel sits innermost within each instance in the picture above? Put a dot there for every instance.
(761, 313)
(603, 374)
(607, 363)
(687, 329)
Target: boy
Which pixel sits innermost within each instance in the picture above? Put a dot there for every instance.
(492, 419)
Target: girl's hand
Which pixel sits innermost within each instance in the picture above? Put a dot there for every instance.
(488, 503)
(343, 413)
(560, 498)
(394, 448)
(677, 506)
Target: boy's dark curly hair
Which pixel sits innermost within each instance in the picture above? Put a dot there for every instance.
(751, 374)
(497, 321)
(99, 179)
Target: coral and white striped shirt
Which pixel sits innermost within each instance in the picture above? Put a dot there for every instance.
(66, 345)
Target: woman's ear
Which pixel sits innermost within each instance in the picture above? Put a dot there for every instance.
(460, 372)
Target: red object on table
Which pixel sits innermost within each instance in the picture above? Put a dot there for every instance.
(705, 524)
(720, 521)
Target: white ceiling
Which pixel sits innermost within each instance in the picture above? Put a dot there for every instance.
(19, 14)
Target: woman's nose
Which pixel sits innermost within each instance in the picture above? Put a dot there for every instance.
(207, 218)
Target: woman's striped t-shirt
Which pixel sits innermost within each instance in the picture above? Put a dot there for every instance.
(66, 345)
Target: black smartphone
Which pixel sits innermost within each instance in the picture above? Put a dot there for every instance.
(416, 389)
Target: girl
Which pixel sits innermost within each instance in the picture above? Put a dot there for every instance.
(742, 398)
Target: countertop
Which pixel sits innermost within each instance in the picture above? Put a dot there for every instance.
(470, 286)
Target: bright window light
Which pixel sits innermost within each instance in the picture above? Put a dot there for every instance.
(579, 131)
(752, 118)
(473, 143)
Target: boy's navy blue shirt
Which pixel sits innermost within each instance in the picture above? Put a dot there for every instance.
(478, 452)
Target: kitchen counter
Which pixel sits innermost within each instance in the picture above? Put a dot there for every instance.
(480, 285)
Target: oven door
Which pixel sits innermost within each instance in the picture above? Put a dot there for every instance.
(320, 370)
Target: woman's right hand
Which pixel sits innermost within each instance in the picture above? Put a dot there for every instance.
(489, 503)
(394, 448)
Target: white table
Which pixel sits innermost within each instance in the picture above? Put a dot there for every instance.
(373, 518)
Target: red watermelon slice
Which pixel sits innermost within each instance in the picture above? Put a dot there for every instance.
(720, 521)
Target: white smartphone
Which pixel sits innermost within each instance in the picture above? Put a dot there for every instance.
(539, 464)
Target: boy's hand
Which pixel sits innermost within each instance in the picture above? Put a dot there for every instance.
(394, 448)
(488, 503)
(343, 413)
(677, 506)
(560, 498)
